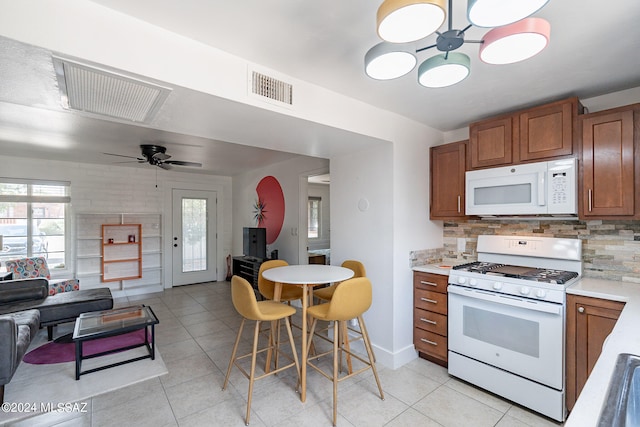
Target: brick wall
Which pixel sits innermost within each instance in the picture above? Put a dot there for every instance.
(610, 249)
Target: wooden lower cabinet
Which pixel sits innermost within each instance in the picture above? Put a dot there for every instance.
(430, 316)
(589, 322)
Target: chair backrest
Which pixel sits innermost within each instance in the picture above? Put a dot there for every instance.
(350, 299)
(29, 268)
(267, 287)
(244, 299)
(356, 266)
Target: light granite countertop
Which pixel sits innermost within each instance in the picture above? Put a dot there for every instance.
(625, 338)
(433, 268)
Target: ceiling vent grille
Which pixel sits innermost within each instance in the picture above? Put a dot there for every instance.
(273, 89)
(93, 90)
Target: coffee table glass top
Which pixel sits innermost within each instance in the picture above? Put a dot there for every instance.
(101, 322)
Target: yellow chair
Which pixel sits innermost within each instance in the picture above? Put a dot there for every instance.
(267, 287)
(245, 303)
(350, 300)
(358, 271)
(326, 293)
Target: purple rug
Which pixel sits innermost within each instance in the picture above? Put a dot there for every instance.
(53, 352)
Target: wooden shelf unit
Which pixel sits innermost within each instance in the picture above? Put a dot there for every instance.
(121, 252)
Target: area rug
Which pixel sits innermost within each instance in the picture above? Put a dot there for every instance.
(54, 352)
(49, 385)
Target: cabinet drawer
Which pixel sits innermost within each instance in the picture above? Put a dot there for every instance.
(430, 343)
(430, 282)
(431, 301)
(430, 321)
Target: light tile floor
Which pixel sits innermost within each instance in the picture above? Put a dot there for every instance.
(197, 329)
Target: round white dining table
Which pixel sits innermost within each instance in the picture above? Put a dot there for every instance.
(306, 276)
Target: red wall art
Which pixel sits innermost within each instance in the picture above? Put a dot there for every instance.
(269, 208)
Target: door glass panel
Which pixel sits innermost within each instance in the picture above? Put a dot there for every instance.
(512, 333)
(502, 194)
(194, 235)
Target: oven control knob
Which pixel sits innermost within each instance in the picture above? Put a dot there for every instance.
(497, 286)
(462, 280)
(473, 282)
(540, 293)
(524, 290)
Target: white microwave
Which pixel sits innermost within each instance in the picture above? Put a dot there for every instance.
(544, 188)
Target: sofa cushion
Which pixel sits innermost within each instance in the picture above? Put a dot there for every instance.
(20, 291)
(69, 305)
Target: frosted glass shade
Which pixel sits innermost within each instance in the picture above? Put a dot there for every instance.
(515, 42)
(495, 13)
(440, 72)
(386, 61)
(402, 21)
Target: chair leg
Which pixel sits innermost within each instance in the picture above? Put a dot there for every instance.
(293, 350)
(367, 345)
(2, 394)
(336, 346)
(347, 346)
(252, 375)
(233, 355)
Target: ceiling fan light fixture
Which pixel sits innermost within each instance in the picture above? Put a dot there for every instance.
(515, 42)
(386, 61)
(496, 13)
(444, 70)
(402, 21)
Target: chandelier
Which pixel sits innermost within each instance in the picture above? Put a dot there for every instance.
(514, 37)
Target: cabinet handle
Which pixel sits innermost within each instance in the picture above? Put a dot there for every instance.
(580, 309)
(424, 282)
(590, 197)
(432, 301)
(433, 322)
(458, 203)
(428, 342)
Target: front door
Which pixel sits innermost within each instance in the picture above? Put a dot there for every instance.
(194, 236)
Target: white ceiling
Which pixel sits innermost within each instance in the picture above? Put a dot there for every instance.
(594, 50)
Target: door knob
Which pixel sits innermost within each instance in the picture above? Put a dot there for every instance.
(580, 309)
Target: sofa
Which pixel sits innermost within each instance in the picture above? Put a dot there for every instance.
(26, 306)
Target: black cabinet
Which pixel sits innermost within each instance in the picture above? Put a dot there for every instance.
(247, 268)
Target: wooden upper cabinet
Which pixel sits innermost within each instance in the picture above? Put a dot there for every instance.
(448, 165)
(536, 134)
(491, 142)
(547, 131)
(610, 172)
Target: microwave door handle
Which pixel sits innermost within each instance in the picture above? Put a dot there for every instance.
(542, 199)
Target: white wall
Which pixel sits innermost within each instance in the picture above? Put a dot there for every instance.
(244, 196)
(118, 189)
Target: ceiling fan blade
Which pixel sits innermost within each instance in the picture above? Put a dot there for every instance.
(164, 166)
(128, 161)
(161, 156)
(120, 155)
(181, 163)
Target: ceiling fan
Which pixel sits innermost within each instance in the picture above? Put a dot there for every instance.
(156, 155)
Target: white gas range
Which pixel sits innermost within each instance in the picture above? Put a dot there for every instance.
(507, 318)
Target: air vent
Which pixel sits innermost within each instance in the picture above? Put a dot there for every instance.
(273, 89)
(93, 90)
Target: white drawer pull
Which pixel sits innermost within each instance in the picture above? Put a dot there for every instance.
(428, 342)
(428, 283)
(432, 301)
(433, 322)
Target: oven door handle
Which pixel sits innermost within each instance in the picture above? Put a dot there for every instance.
(496, 298)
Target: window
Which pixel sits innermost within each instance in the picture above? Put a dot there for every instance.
(314, 217)
(32, 220)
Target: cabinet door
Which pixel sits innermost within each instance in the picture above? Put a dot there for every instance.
(491, 142)
(547, 131)
(609, 175)
(448, 165)
(589, 322)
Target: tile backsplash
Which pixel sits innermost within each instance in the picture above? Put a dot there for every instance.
(610, 249)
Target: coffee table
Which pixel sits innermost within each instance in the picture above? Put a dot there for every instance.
(109, 323)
